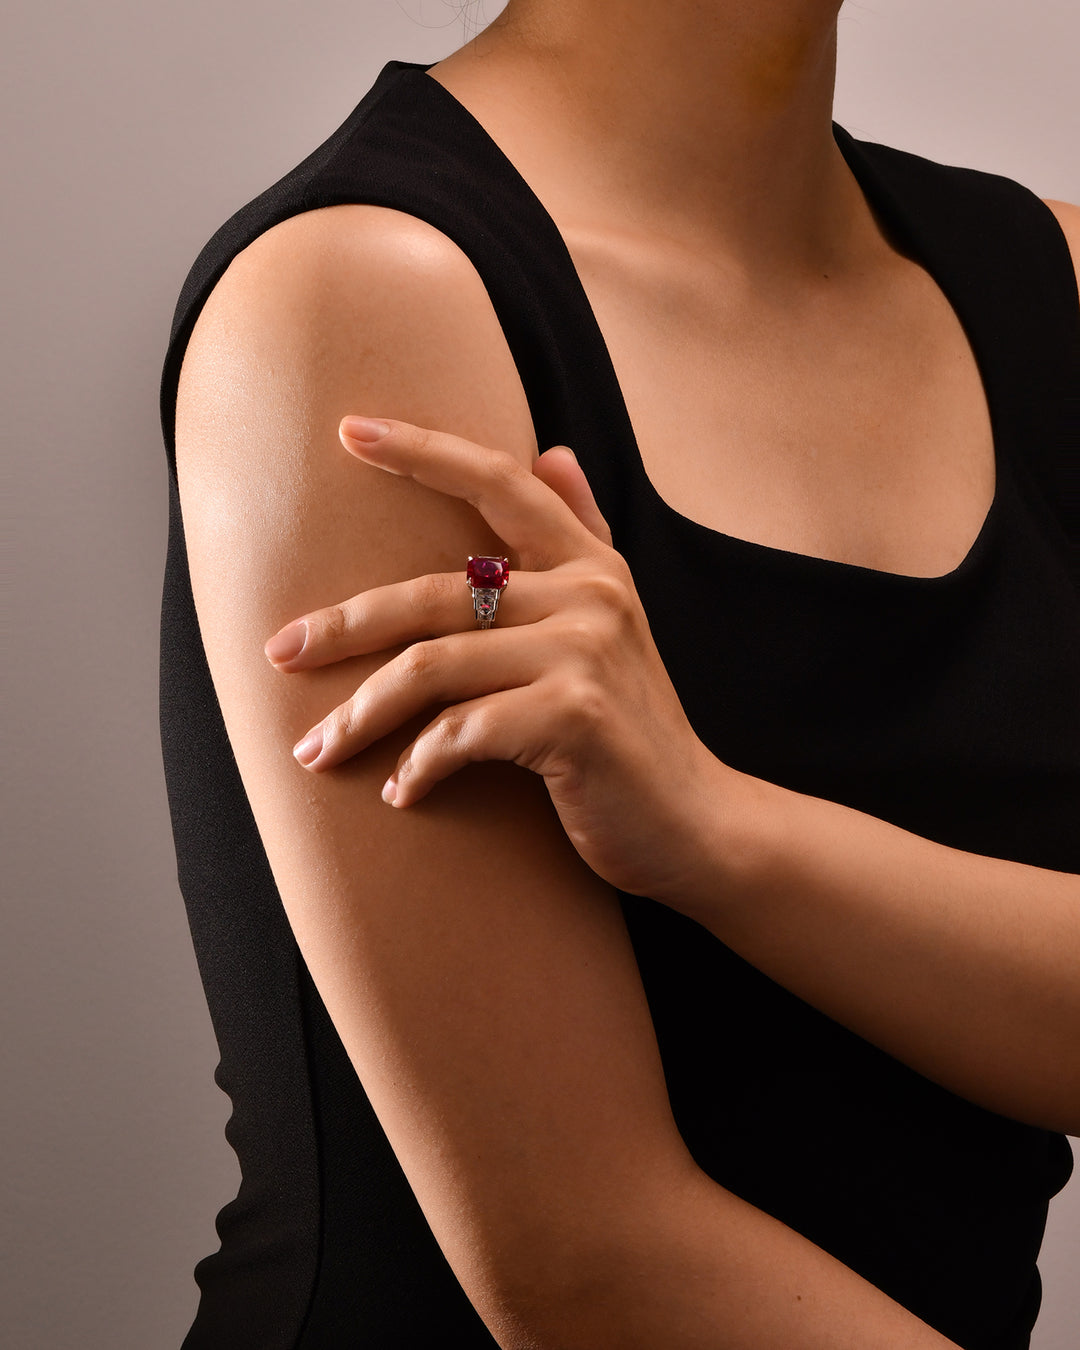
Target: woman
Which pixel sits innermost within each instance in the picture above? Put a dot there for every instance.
(750, 1016)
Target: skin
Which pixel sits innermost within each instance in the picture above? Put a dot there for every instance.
(893, 935)
(479, 973)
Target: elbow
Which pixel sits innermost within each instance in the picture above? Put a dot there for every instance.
(591, 1264)
(544, 1309)
(563, 1282)
(593, 1275)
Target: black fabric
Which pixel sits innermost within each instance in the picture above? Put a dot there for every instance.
(947, 705)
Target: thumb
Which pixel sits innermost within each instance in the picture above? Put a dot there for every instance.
(559, 469)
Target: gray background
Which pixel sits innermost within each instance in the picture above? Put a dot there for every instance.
(131, 131)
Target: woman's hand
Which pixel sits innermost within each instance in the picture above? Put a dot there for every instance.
(568, 683)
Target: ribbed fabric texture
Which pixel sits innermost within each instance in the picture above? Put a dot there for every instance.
(947, 705)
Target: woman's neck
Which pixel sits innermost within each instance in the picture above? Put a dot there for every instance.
(709, 121)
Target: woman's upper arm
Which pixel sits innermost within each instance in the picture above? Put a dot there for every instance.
(480, 976)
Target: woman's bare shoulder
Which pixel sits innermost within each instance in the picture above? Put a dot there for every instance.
(1068, 217)
(333, 287)
(356, 236)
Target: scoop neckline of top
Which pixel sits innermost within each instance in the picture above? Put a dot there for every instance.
(885, 208)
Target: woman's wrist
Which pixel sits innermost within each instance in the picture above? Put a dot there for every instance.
(736, 829)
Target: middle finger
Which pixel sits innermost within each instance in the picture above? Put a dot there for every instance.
(442, 671)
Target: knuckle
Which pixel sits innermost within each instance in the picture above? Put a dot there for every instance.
(583, 633)
(344, 722)
(590, 632)
(451, 732)
(427, 595)
(609, 592)
(591, 713)
(332, 623)
(417, 661)
(485, 722)
(454, 726)
(583, 705)
(505, 471)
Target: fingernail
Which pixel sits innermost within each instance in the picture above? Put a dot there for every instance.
(389, 792)
(363, 428)
(289, 643)
(308, 750)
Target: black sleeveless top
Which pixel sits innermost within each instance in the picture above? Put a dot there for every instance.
(947, 705)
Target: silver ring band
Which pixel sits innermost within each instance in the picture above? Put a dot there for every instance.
(485, 603)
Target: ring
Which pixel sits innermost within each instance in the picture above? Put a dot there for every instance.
(486, 578)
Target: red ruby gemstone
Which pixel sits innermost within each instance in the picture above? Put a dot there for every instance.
(491, 574)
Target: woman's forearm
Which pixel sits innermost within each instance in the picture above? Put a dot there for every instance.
(691, 1267)
(964, 967)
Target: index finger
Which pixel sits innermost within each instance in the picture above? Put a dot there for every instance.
(527, 515)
